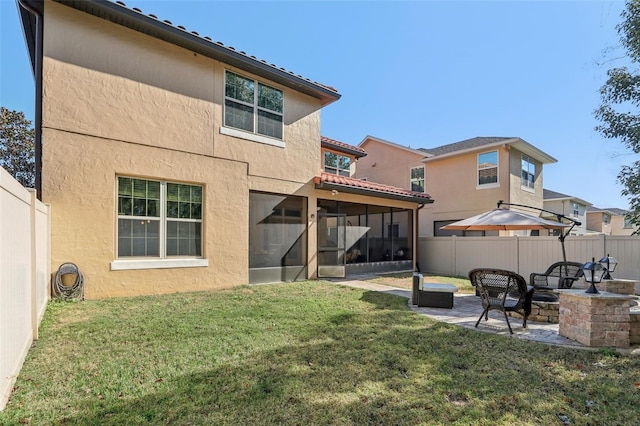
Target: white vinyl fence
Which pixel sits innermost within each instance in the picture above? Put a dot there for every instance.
(24, 275)
(458, 255)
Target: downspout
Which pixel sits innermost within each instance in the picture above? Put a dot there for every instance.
(417, 233)
(37, 70)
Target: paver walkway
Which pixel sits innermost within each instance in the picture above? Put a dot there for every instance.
(467, 309)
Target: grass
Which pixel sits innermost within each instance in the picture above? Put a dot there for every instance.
(405, 280)
(309, 353)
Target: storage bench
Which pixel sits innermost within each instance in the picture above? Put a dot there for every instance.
(433, 295)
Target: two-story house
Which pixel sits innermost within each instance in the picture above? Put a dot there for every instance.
(569, 206)
(175, 163)
(608, 221)
(465, 178)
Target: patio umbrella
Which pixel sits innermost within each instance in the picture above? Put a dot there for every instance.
(503, 220)
(507, 220)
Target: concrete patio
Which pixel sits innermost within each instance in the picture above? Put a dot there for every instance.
(466, 310)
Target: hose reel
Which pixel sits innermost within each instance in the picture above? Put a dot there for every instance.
(68, 292)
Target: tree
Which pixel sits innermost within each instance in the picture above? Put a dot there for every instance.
(619, 111)
(17, 146)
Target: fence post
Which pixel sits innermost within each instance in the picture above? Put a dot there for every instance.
(34, 262)
(517, 240)
(602, 243)
(454, 257)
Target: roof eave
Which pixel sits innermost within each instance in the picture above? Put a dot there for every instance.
(395, 145)
(518, 143)
(356, 153)
(156, 28)
(29, 26)
(576, 199)
(370, 192)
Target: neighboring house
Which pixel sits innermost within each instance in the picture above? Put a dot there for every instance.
(609, 221)
(465, 178)
(567, 205)
(174, 163)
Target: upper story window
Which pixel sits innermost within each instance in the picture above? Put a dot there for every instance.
(417, 179)
(528, 171)
(488, 168)
(575, 209)
(158, 219)
(606, 218)
(337, 164)
(627, 222)
(252, 106)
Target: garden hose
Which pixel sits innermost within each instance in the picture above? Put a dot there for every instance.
(68, 292)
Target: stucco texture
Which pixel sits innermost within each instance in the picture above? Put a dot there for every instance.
(120, 103)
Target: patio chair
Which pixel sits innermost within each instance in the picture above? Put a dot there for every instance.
(504, 291)
(558, 275)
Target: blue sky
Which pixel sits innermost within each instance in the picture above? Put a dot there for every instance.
(422, 73)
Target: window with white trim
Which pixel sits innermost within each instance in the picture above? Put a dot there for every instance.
(488, 168)
(337, 164)
(575, 209)
(528, 172)
(158, 219)
(252, 106)
(606, 218)
(417, 179)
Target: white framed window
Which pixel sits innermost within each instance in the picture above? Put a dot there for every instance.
(488, 168)
(528, 172)
(252, 106)
(158, 219)
(575, 208)
(417, 179)
(337, 164)
(606, 218)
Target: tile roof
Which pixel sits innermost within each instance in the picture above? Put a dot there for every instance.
(119, 13)
(341, 146)
(331, 181)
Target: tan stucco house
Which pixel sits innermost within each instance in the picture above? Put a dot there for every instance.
(608, 221)
(465, 178)
(569, 206)
(175, 163)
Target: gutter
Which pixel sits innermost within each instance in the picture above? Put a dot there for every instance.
(34, 38)
(362, 191)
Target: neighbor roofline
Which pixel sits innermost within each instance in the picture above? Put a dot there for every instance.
(395, 145)
(135, 20)
(569, 198)
(518, 143)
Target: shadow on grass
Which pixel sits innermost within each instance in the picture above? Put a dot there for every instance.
(357, 365)
(381, 300)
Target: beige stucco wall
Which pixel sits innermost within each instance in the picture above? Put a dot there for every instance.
(614, 227)
(565, 207)
(117, 102)
(452, 182)
(519, 194)
(387, 164)
(617, 226)
(595, 223)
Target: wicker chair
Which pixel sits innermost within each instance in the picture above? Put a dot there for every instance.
(504, 291)
(558, 275)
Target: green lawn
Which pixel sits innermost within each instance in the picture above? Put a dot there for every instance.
(308, 353)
